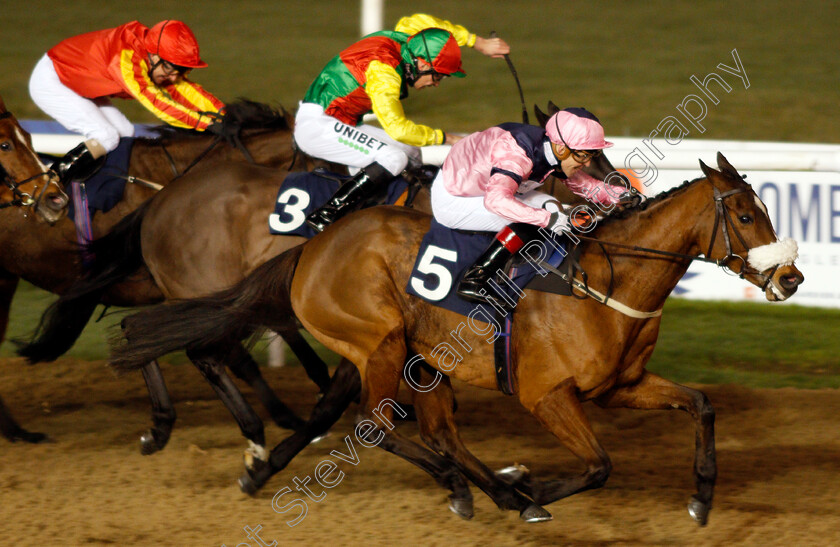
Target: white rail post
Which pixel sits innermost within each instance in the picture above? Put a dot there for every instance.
(276, 351)
(372, 13)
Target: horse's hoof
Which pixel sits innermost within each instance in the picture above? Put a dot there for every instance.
(30, 437)
(148, 444)
(535, 513)
(319, 438)
(513, 474)
(698, 510)
(461, 507)
(247, 484)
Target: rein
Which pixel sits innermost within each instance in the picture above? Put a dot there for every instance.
(721, 211)
(23, 199)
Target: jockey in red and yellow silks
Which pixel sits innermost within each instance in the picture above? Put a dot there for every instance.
(76, 79)
(374, 75)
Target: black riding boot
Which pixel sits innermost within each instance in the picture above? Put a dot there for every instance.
(77, 163)
(362, 186)
(475, 284)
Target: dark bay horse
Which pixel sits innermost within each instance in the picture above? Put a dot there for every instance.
(48, 255)
(566, 350)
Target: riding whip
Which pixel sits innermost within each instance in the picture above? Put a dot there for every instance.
(515, 77)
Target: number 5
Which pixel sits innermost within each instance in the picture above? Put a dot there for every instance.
(427, 266)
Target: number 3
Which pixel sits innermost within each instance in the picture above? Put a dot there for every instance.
(427, 266)
(295, 210)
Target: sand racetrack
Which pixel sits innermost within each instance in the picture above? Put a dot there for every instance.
(778, 478)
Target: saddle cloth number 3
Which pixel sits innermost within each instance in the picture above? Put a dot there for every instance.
(300, 201)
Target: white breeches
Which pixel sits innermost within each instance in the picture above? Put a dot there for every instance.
(468, 212)
(94, 118)
(324, 137)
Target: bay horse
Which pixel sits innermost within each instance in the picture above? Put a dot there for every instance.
(565, 350)
(191, 255)
(48, 256)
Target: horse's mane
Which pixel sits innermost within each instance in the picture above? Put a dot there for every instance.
(242, 114)
(628, 212)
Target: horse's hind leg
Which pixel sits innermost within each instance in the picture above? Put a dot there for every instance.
(245, 368)
(314, 366)
(382, 381)
(163, 413)
(439, 432)
(210, 364)
(344, 388)
(560, 411)
(655, 392)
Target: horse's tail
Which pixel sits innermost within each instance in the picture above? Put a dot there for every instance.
(115, 256)
(262, 299)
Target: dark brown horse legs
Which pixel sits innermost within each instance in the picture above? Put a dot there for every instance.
(245, 368)
(210, 362)
(438, 430)
(656, 393)
(9, 428)
(163, 413)
(344, 388)
(314, 366)
(561, 413)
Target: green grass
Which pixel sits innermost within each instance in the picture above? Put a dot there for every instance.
(758, 345)
(629, 62)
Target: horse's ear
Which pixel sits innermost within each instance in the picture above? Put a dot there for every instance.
(541, 116)
(708, 171)
(726, 167)
(552, 108)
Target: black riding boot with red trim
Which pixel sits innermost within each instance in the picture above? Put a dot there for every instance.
(475, 284)
(77, 163)
(362, 186)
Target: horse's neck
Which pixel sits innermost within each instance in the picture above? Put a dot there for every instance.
(644, 280)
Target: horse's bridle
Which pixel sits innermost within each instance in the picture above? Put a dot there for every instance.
(24, 199)
(721, 212)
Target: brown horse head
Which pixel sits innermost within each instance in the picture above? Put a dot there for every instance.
(26, 181)
(742, 236)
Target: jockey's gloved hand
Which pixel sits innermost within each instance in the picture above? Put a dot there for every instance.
(216, 128)
(558, 222)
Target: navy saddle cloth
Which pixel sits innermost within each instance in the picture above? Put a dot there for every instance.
(445, 254)
(303, 193)
(105, 188)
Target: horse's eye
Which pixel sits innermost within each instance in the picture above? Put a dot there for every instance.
(745, 219)
(6, 146)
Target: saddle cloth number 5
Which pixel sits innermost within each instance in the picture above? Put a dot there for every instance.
(429, 267)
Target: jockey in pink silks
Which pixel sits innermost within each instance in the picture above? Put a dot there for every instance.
(489, 182)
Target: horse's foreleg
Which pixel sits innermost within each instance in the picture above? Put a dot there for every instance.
(245, 368)
(210, 364)
(656, 393)
(438, 430)
(163, 413)
(344, 388)
(561, 412)
(8, 285)
(9, 428)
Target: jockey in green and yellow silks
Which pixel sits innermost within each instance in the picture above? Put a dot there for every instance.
(374, 75)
